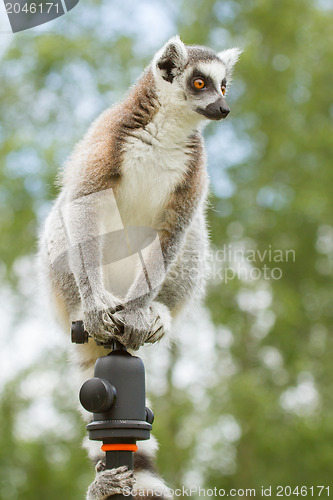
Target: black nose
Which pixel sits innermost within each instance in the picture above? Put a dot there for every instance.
(225, 110)
(215, 110)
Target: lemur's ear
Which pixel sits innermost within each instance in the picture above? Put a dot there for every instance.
(170, 59)
(229, 57)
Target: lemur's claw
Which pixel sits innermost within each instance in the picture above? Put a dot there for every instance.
(100, 466)
(155, 335)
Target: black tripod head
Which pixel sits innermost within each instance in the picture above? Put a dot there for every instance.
(116, 397)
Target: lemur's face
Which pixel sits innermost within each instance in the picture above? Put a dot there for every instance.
(195, 78)
(205, 87)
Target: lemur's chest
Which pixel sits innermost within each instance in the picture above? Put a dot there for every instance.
(151, 170)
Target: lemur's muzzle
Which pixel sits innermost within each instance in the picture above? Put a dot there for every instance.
(215, 110)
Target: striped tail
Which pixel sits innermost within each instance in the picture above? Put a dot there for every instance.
(144, 481)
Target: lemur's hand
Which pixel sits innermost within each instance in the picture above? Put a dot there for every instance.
(110, 482)
(99, 322)
(140, 325)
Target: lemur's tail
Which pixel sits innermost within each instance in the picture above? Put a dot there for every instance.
(144, 481)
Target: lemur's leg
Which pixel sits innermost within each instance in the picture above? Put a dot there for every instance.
(189, 271)
(184, 283)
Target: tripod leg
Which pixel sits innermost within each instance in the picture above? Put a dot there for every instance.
(116, 459)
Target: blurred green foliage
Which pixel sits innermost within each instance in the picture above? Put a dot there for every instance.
(266, 417)
(40, 455)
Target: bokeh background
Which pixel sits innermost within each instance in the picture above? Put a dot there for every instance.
(244, 398)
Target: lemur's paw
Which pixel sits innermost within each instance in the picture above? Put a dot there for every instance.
(140, 325)
(110, 482)
(100, 324)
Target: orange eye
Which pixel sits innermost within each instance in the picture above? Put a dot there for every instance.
(199, 83)
(223, 88)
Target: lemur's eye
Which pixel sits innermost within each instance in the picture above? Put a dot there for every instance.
(223, 88)
(199, 83)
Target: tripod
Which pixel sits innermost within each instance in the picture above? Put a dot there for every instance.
(116, 397)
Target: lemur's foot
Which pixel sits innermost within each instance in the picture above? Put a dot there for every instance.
(140, 325)
(110, 482)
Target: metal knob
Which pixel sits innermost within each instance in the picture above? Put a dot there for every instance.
(97, 395)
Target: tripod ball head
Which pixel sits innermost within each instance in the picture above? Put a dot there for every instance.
(116, 397)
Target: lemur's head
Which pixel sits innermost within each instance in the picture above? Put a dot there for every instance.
(194, 78)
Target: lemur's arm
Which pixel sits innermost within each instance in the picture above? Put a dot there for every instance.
(87, 212)
(84, 225)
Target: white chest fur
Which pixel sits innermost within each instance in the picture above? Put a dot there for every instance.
(154, 162)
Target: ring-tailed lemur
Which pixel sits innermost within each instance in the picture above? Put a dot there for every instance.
(124, 245)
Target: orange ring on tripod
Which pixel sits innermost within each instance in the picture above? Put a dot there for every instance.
(119, 447)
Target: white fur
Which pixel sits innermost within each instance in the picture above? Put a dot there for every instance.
(156, 154)
(147, 484)
(215, 69)
(93, 448)
(229, 57)
(149, 446)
